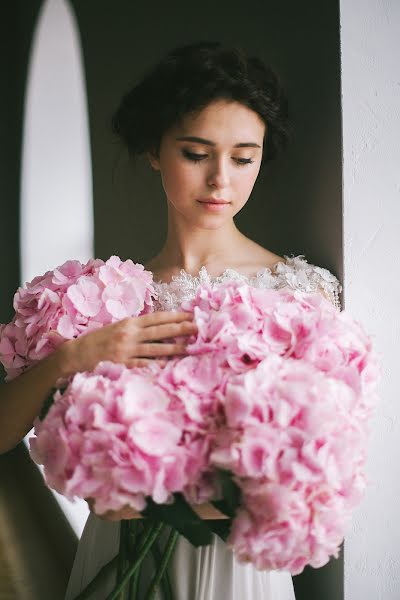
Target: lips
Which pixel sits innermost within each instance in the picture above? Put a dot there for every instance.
(214, 201)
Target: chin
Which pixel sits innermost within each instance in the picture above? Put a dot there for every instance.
(211, 223)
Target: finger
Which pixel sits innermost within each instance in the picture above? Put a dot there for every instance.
(154, 349)
(108, 515)
(125, 513)
(130, 513)
(132, 363)
(164, 316)
(161, 361)
(167, 330)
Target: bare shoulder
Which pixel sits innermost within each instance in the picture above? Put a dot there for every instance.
(257, 257)
(155, 266)
(271, 259)
(151, 264)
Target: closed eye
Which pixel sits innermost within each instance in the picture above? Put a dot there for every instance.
(199, 157)
(244, 161)
(194, 157)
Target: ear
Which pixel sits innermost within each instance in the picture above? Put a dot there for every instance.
(153, 160)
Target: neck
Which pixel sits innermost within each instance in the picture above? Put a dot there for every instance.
(190, 247)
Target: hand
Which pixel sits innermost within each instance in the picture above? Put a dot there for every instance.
(127, 512)
(134, 341)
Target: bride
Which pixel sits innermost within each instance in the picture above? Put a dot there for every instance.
(207, 118)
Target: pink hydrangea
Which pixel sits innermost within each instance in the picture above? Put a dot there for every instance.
(114, 435)
(69, 301)
(300, 388)
(283, 446)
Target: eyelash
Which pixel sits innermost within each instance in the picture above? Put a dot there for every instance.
(199, 157)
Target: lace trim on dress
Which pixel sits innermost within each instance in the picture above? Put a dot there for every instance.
(295, 272)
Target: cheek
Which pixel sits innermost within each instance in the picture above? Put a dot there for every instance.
(180, 178)
(244, 183)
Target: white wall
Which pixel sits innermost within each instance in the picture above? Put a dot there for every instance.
(56, 180)
(56, 190)
(370, 31)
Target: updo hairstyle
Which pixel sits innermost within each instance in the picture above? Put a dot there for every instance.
(188, 79)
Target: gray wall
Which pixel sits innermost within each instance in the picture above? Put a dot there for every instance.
(15, 42)
(296, 206)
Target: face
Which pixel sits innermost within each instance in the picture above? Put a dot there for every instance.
(211, 157)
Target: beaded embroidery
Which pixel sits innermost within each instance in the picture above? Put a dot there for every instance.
(295, 272)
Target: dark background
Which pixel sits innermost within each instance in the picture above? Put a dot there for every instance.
(295, 208)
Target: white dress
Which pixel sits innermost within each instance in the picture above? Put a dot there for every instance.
(208, 572)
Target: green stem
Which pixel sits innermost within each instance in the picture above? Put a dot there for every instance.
(172, 539)
(122, 549)
(152, 534)
(136, 542)
(133, 586)
(166, 583)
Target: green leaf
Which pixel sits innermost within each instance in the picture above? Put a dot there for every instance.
(231, 495)
(181, 517)
(221, 527)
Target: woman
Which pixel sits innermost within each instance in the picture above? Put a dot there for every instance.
(208, 118)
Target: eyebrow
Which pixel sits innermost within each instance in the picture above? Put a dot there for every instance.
(199, 140)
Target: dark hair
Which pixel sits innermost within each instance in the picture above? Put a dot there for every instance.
(187, 80)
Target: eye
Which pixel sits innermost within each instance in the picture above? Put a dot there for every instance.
(244, 161)
(193, 157)
(199, 157)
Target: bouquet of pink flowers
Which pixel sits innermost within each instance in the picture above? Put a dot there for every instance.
(266, 417)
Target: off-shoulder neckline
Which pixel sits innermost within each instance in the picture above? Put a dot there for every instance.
(203, 274)
(294, 271)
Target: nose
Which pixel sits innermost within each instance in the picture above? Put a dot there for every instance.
(218, 175)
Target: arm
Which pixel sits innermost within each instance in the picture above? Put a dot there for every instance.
(22, 398)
